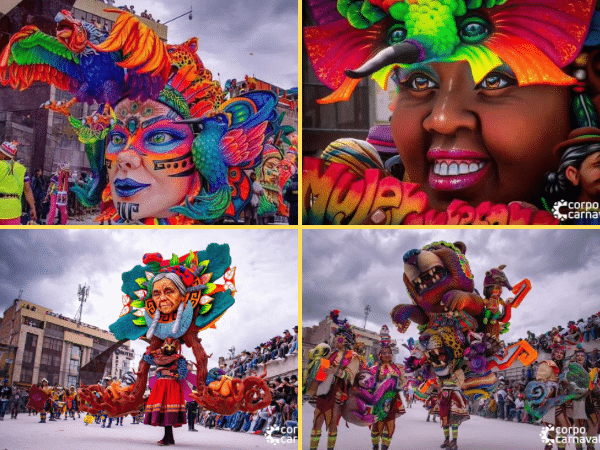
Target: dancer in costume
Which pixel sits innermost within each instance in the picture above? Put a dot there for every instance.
(58, 193)
(582, 411)
(166, 405)
(168, 302)
(344, 365)
(445, 57)
(391, 406)
(14, 182)
(164, 147)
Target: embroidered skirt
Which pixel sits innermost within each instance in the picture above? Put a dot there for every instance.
(166, 405)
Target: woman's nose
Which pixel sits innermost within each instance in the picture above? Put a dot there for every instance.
(128, 159)
(451, 107)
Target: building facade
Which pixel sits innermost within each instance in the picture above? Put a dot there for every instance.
(324, 332)
(51, 346)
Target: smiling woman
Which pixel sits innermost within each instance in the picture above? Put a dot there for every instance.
(484, 106)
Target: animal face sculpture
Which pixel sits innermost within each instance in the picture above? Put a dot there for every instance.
(444, 348)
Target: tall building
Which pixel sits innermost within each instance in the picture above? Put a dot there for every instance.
(46, 138)
(55, 347)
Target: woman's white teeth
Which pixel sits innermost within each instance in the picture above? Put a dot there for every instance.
(463, 168)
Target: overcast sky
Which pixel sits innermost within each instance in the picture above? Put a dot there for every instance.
(348, 269)
(236, 37)
(49, 265)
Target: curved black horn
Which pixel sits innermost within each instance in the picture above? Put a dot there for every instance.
(407, 52)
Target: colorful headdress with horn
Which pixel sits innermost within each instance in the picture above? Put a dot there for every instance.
(357, 38)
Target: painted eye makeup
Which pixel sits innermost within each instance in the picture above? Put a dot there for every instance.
(419, 82)
(494, 81)
(163, 141)
(116, 142)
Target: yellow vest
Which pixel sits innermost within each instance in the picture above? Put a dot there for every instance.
(11, 183)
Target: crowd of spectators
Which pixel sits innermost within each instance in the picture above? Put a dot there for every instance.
(145, 14)
(280, 418)
(582, 330)
(277, 348)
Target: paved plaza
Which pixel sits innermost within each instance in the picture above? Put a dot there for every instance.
(414, 433)
(25, 433)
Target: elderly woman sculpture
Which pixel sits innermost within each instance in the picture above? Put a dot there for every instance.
(168, 302)
(172, 151)
(482, 101)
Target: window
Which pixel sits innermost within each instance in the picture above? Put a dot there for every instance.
(72, 381)
(31, 341)
(26, 375)
(28, 356)
(52, 343)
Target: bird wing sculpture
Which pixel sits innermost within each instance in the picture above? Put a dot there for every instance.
(232, 136)
(86, 61)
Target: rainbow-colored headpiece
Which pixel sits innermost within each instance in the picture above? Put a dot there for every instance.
(536, 39)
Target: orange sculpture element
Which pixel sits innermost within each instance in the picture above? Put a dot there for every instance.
(228, 395)
(521, 350)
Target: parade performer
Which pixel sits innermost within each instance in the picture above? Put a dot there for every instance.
(582, 411)
(168, 302)
(71, 402)
(392, 407)
(545, 398)
(343, 366)
(462, 161)
(58, 193)
(166, 405)
(14, 181)
(164, 146)
(450, 316)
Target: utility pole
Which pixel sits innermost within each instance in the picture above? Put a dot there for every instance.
(82, 293)
(367, 311)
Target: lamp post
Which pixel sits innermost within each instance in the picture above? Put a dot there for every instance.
(189, 12)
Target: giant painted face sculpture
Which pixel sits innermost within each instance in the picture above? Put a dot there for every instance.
(477, 141)
(149, 160)
(472, 76)
(166, 296)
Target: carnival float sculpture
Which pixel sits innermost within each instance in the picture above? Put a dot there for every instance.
(164, 146)
(167, 302)
(465, 161)
(456, 344)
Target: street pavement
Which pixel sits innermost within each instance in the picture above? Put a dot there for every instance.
(25, 433)
(414, 433)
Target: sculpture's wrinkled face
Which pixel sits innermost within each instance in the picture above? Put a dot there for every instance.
(149, 160)
(166, 296)
(476, 141)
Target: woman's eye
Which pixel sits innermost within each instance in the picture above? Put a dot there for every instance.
(494, 81)
(117, 139)
(160, 138)
(419, 83)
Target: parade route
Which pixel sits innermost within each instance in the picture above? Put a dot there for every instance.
(414, 433)
(25, 433)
